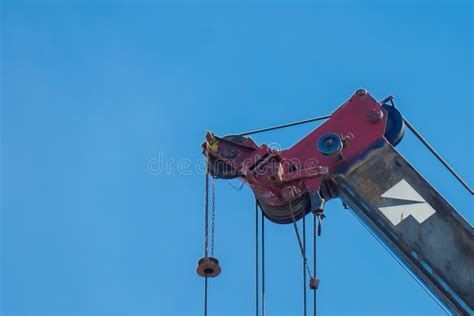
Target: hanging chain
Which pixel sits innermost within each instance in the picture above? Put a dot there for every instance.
(213, 213)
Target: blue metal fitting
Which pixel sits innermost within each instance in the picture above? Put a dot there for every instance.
(330, 144)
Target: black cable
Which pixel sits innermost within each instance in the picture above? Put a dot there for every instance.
(205, 296)
(206, 214)
(256, 259)
(206, 233)
(263, 264)
(304, 266)
(300, 243)
(389, 99)
(284, 125)
(438, 156)
(314, 261)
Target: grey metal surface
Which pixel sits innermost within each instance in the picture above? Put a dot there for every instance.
(415, 221)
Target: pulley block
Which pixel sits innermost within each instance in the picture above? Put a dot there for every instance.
(395, 128)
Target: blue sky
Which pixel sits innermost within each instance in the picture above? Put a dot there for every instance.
(92, 91)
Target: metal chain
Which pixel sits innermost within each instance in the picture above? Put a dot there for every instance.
(213, 214)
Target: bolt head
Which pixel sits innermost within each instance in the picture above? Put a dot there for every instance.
(375, 115)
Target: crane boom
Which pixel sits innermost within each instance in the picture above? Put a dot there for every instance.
(352, 156)
(416, 222)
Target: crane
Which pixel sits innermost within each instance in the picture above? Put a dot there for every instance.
(352, 156)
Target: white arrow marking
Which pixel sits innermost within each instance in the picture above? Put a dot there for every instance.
(403, 191)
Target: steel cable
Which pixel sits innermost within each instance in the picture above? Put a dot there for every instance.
(256, 259)
(314, 261)
(304, 266)
(412, 129)
(284, 125)
(206, 232)
(438, 156)
(206, 213)
(263, 263)
(295, 226)
(205, 296)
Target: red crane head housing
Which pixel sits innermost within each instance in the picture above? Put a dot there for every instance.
(297, 180)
